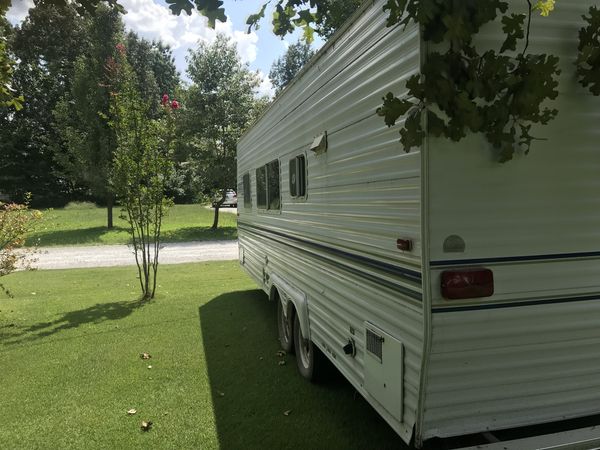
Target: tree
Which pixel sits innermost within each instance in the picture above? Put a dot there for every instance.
(8, 97)
(16, 220)
(83, 118)
(285, 68)
(46, 45)
(333, 14)
(142, 164)
(220, 105)
(153, 65)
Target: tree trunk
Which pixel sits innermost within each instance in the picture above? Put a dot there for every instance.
(218, 204)
(216, 219)
(109, 211)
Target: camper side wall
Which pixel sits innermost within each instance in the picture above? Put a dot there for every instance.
(333, 240)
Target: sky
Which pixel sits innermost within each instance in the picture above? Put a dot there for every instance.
(152, 19)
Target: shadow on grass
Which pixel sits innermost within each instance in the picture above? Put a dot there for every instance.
(252, 391)
(199, 234)
(83, 236)
(99, 313)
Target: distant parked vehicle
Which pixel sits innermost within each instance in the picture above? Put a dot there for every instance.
(230, 199)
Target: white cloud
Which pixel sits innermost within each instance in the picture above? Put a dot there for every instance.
(18, 11)
(153, 21)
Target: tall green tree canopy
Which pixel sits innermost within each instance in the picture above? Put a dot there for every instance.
(8, 96)
(83, 118)
(154, 66)
(285, 68)
(332, 14)
(220, 104)
(46, 45)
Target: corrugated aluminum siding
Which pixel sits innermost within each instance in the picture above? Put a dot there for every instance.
(535, 222)
(338, 245)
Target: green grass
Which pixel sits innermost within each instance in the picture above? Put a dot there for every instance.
(70, 344)
(85, 224)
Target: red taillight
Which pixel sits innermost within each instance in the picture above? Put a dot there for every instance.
(467, 283)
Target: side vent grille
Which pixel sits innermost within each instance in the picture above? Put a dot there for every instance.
(374, 344)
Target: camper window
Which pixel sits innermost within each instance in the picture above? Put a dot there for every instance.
(267, 186)
(297, 177)
(261, 187)
(273, 185)
(247, 192)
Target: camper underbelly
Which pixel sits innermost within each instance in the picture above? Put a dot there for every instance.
(512, 365)
(384, 324)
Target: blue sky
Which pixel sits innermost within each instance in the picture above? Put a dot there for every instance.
(152, 20)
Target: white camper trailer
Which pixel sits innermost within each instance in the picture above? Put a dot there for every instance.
(353, 236)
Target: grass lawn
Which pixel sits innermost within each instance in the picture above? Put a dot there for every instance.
(70, 345)
(85, 224)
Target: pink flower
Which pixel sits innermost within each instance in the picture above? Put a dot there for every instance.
(175, 104)
(121, 48)
(165, 99)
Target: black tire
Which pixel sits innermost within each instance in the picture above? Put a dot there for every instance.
(285, 327)
(311, 362)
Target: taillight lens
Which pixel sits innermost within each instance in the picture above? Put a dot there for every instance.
(467, 283)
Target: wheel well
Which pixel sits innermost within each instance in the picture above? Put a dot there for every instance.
(274, 296)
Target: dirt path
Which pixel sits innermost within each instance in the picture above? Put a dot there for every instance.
(122, 255)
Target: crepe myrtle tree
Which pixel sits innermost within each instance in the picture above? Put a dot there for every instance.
(142, 165)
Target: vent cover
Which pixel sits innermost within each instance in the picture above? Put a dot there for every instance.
(374, 344)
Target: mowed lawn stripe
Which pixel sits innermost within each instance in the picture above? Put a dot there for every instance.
(85, 224)
(70, 345)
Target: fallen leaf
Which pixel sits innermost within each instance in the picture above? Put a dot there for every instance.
(145, 355)
(132, 411)
(281, 363)
(146, 425)
(287, 413)
(281, 353)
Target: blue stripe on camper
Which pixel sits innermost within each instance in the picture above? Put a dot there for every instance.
(515, 304)
(400, 272)
(502, 259)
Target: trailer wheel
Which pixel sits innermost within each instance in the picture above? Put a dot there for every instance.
(309, 358)
(285, 327)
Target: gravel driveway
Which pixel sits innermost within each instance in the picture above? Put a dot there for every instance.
(122, 255)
